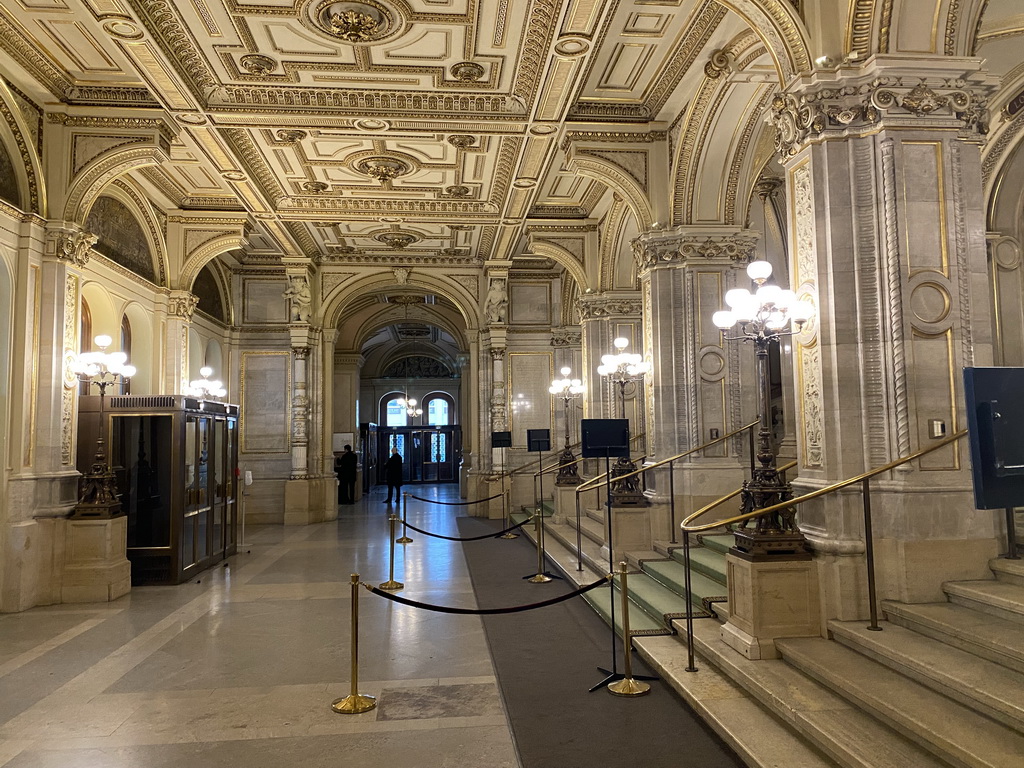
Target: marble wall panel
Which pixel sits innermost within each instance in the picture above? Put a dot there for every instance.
(266, 384)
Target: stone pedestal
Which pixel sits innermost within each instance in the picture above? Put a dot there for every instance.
(310, 500)
(96, 568)
(768, 600)
(564, 503)
(631, 530)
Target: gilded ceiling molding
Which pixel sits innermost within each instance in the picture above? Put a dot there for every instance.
(536, 43)
(167, 130)
(741, 158)
(89, 184)
(336, 102)
(858, 30)
(244, 148)
(176, 41)
(34, 178)
(996, 152)
(560, 255)
(972, 47)
(610, 241)
(780, 27)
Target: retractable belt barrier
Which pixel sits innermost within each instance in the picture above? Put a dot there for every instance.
(454, 503)
(468, 538)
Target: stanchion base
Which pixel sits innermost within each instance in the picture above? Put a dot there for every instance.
(629, 686)
(509, 535)
(538, 578)
(353, 704)
(391, 585)
(403, 540)
(612, 676)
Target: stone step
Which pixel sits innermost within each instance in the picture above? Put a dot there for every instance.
(849, 737)
(989, 637)
(996, 598)
(756, 736)
(673, 575)
(719, 542)
(640, 622)
(657, 600)
(597, 514)
(706, 561)
(982, 685)
(590, 528)
(564, 535)
(1011, 571)
(949, 730)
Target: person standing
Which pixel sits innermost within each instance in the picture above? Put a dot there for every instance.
(345, 466)
(393, 475)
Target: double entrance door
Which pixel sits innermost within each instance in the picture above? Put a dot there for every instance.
(429, 454)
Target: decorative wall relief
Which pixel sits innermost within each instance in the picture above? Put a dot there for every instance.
(67, 400)
(809, 355)
(894, 292)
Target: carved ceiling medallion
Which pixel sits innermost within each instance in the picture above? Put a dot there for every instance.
(314, 187)
(257, 64)
(396, 240)
(357, 23)
(457, 190)
(467, 71)
(291, 136)
(383, 168)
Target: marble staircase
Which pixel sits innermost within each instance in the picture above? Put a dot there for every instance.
(941, 685)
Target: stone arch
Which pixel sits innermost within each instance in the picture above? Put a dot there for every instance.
(562, 257)
(332, 306)
(218, 284)
(6, 359)
(618, 180)
(105, 319)
(204, 254)
(872, 24)
(778, 24)
(14, 132)
(389, 316)
(99, 172)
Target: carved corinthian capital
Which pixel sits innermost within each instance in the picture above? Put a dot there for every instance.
(694, 245)
(849, 102)
(182, 304)
(592, 306)
(70, 245)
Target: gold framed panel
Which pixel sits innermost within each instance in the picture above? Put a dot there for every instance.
(530, 375)
(265, 363)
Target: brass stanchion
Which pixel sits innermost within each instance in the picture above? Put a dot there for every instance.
(538, 525)
(627, 686)
(506, 502)
(405, 534)
(391, 583)
(355, 702)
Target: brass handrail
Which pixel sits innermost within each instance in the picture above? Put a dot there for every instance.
(718, 502)
(585, 487)
(548, 469)
(687, 523)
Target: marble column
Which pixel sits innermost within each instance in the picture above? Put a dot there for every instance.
(702, 385)
(180, 307)
(884, 189)
(603, 318)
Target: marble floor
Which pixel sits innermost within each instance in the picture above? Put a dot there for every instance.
(239, 666)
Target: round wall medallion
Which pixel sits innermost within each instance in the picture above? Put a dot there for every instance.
(234, 175)
(572, 46)
(123, 29)
(356, 23)
(257, 64)
(930, 302)
(467, 71)
(372, 124)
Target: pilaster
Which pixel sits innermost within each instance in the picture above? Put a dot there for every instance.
(884, 187)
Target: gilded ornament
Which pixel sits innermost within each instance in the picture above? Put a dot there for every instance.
(257, 64)
(462, 141)
(73, 247)
(467, 71)
(457, 190)
(291, 136)
(382, 168)
(314, 187)
(397, 240)
(355, 22)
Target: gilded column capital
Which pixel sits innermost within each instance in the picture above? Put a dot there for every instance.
(882, 93)
(67, 242)
(592, 306)
(566, 336)
(182, 304)
(685, 246)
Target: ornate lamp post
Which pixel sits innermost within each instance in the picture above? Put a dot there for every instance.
(567, 390)
(204, 388)
(625, 369)
(98, 497)
(762, 317)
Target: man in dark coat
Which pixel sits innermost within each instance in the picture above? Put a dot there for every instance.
(345, 466)
(393, 475)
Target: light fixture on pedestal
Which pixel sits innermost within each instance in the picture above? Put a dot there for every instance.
(568, 391)
(764, 317)
(99, 497)
(625, 369)
(204, 388)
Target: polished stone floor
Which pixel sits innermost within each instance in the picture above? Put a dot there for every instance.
(239, 667)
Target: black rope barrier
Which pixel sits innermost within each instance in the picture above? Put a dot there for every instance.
(454, 503)
(487, 611)
(468, 538)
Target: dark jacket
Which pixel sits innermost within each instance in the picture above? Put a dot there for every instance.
(346, 466)
(393, 470)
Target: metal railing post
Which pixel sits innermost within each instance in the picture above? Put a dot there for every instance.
(1011, 535)
(869, 553)
(672, 497)
(690, 667)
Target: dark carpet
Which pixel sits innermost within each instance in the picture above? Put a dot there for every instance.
(547, 659)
